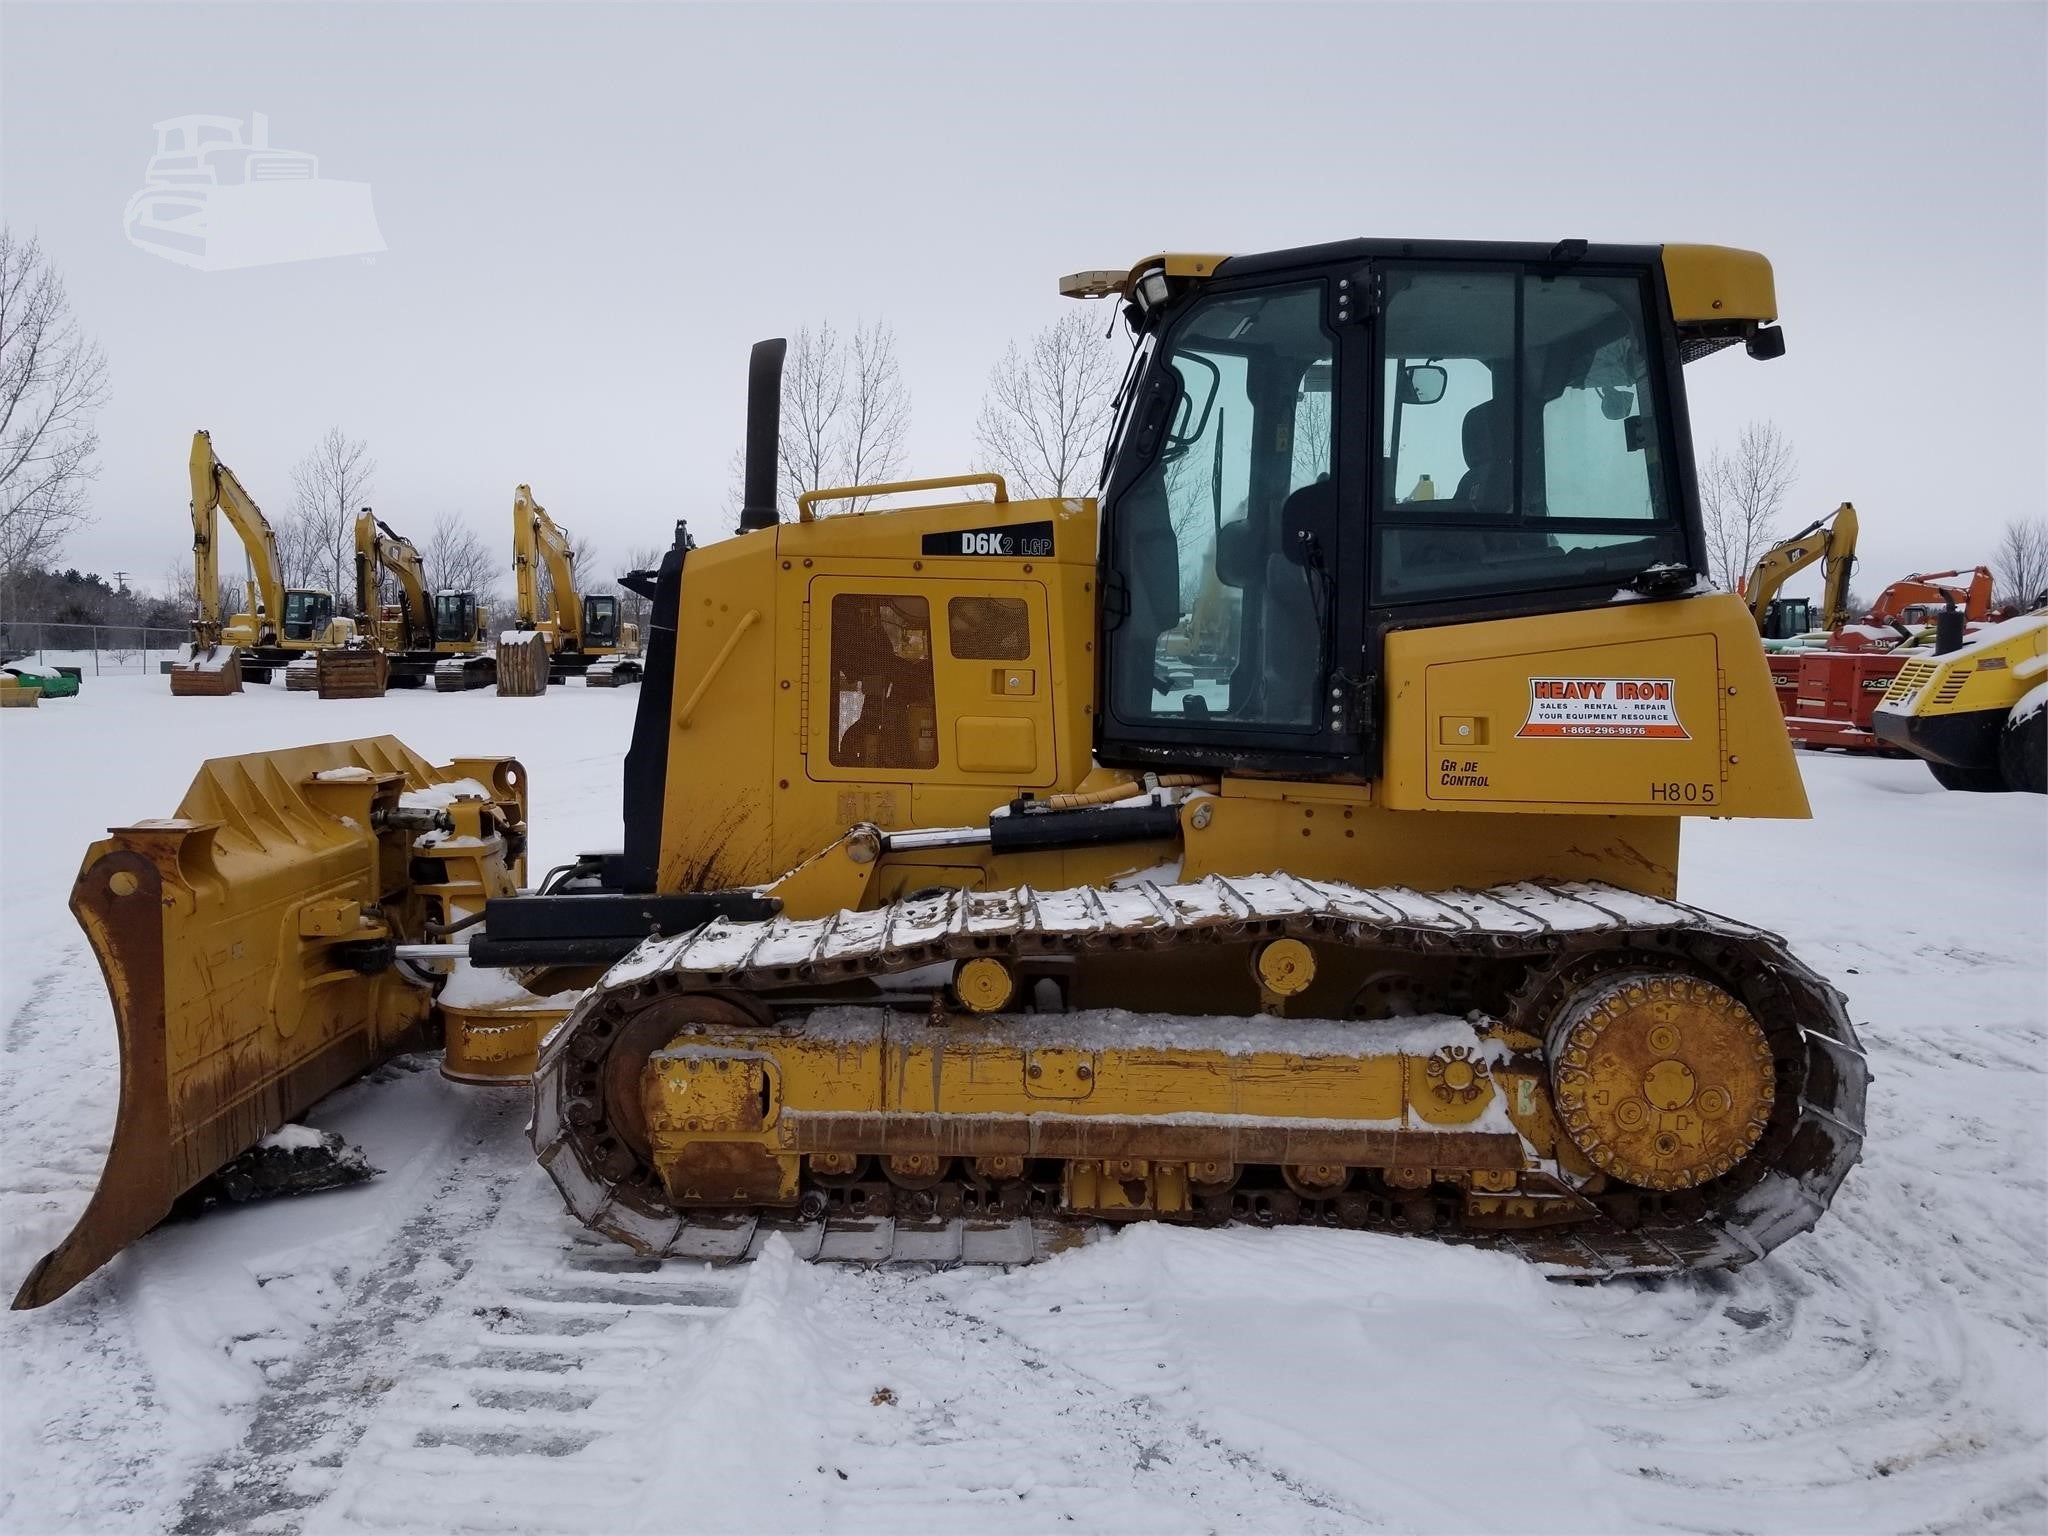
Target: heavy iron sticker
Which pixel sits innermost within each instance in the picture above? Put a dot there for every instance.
(1645, 708)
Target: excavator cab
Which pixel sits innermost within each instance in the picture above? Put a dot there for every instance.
(1787, 617)
(600, 623)
(456, 618)
(307, 613)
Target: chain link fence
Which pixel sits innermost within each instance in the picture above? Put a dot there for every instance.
(96, 650)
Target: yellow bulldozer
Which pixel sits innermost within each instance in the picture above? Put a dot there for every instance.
(956, 907)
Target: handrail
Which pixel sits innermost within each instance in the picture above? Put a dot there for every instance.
(942, 482)
(747, 621)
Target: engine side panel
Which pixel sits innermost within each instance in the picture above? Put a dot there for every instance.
(1635, 709)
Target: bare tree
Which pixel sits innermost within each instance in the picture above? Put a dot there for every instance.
(182, 591)
(2019, 566)
(877, 410)
(736, 482)
(1048, 408)
(633, 608)
(459, 559)
(845, 412)
(1741, 496)
(329, 485)
(813, 396)
(53, 380)
(302, 557)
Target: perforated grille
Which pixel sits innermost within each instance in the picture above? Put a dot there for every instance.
(989, 628)
(883, 713)
(1692, 348)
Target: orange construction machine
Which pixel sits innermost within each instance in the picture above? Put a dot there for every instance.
(1829, 694)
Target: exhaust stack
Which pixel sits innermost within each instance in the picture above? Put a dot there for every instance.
(764, 432)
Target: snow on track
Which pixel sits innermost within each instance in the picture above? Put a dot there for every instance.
(442, 1349)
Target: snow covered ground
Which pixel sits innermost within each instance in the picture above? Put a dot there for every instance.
(439, 1349)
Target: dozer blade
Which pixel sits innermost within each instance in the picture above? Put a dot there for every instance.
(247, 948)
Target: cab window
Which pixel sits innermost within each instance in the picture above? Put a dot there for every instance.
(306, 614)
(989, 628)
(1520, 432)
(1226, 539)
(884, 708)
(454, 616)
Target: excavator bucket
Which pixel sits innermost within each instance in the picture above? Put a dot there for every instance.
(248, 948)
(207, 673)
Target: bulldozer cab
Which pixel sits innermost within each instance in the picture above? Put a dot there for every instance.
(307, 614)
(1351, 439)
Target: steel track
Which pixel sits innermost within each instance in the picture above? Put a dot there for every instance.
(1780, 1190)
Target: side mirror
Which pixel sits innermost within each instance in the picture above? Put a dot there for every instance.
(1423, 384)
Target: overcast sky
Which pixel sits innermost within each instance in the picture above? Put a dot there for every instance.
(591, 212)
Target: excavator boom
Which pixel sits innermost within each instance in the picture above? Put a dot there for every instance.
(380, 551)
(536, 540)
(216, 490)
(285, 623)
(583, 630)
(1968, 590)
(1831, 538)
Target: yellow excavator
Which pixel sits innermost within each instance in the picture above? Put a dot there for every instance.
(1783, 619)
(282, 624)
(584, 634)
(954, 911)
(440, 637)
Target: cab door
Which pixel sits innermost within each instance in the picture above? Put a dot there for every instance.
(929, 683)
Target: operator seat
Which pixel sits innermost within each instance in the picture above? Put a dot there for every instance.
(1487, 484)
(1297, 588)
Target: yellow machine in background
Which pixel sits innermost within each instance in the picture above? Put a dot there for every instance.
(282, 624)
(439, 636)
(1977, 714)
(984, 870)
(1831, 538)
(584, 633)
